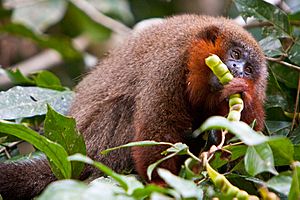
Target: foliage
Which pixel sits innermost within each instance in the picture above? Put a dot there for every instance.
(259, 165)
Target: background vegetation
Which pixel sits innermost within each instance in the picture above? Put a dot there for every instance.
(66, 37)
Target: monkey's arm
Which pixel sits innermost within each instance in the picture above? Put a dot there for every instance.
(25, 179)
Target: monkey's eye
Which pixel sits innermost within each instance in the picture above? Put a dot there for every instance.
(248, 70)
(236, 54)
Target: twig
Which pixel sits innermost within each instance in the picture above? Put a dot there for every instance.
(100, 18)
(7, 154)
(296, 67)
(3, 149)
(296, 104)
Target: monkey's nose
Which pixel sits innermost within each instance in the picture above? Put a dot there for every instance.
(236, 68)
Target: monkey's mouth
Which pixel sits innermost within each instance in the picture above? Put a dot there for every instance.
(214, 83)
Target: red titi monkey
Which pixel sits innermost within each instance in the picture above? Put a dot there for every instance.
(155, 86)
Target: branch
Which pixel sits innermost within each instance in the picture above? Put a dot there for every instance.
(44, 60)
(100, 18)
(296, 67)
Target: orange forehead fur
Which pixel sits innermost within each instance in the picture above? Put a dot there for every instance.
(201, 49)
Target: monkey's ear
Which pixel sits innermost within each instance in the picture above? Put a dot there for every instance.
(210, 33)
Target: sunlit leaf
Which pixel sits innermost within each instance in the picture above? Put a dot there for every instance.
(295, 187)
(62, 129)
(20, 102)
(259, 159)
(53, 151)
(283, 150)
(271, 46)
(30, 14)
(186, 188)
(240, 129)
(75, 190)
(281, 183)
(129, 184)
(265, 11)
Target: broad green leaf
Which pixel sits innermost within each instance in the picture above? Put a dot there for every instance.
(29, 13)
(297, 152)
(64, 190)
(271, 46)
(135, 144)
(20, 102)
(75, 190)
(151, 167)
(47, 79)
(285, 75)
(259, 159)
(236, 152)
(179, 148)
(276, 95)
(295, 187)
(294, 53)
(55, 152)
(129, 184)
(42, 78)
(278, 128)
(62, 130)
(240, 129)
(262, 10)
(283, 150)
(18, 78)
(62, 45)
(186, 188)
(281, 183)
(176, 149)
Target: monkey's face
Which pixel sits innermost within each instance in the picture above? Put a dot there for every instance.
(237, 61)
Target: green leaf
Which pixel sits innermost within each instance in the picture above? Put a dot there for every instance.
(237, 151)
(134, 144)
(186, 188)
(176, 149)
(53, 11)
(264, 11)
(128, 184)
(294, 53)
(20, 102)
(283, 150)
(62, 130)
(18, 78)
(47, 79)
(297, 152)
(278, 128)
(75, 190)
(286, 75)
(281, 183)
(259, 159)
(151, 167)
(62, 45)
(295, 187)
(53, 151)
(240, 129)
(271, 46)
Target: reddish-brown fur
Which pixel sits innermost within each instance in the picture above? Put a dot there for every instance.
(154, 86)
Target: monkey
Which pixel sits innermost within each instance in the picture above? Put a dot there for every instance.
(155, 86)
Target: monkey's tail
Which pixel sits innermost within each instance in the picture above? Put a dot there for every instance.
(24, 179)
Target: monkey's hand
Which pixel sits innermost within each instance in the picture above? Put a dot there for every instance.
(253, 108)
(237, 86)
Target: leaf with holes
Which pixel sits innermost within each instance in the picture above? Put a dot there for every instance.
(21, 102)
(62, 129)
